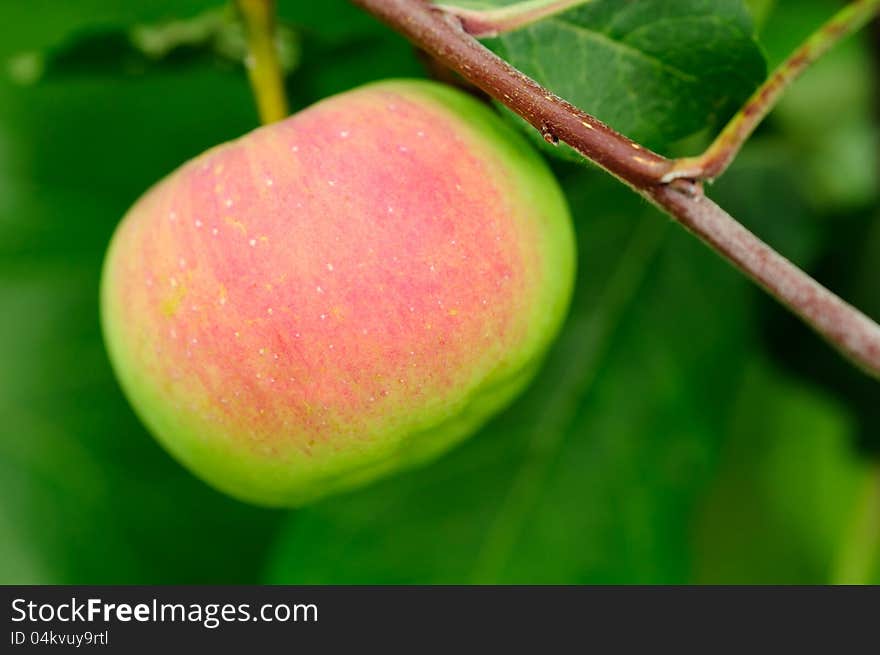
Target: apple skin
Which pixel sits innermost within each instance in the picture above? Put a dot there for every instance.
(339, 295)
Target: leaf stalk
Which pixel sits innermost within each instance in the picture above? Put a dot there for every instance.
(724, 149)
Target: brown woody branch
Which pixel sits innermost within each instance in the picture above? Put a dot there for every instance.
(442, 37)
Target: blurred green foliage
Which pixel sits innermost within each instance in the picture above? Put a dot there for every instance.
(684, 429)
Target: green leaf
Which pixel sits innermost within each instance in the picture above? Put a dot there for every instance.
(761, 10)
(655, 70)
(590, 477)
(787, 488)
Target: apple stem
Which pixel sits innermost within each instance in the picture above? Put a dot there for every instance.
(263, 64)
(442, 36)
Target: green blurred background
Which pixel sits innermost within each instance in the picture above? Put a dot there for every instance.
(685, 428)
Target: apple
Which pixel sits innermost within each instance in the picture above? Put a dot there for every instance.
(339, 295)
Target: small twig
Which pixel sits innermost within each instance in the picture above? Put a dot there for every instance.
(860, 551)
(483, 23)
(715, 160)
(263, 64)
(442, 37)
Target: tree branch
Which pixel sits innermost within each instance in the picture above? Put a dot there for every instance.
(263, 65)
(442, 37)
(719, 155)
